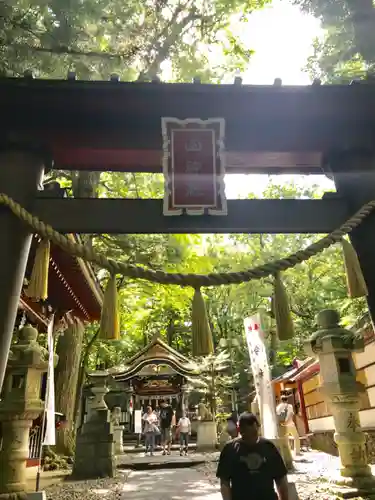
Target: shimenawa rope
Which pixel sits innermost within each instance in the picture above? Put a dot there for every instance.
(193, 280)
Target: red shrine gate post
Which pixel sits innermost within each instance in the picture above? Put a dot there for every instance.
(116, 126)
(21, 172)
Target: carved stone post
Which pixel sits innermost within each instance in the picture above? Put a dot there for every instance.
(94, 456)
(20, 405)
(334, 346)
(118, 430)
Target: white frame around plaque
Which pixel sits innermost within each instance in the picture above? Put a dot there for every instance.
(220, 165)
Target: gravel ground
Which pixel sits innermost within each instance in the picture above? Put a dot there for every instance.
(110, 489)
(311, 478)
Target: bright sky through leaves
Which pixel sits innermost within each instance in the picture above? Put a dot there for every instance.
(281, 37)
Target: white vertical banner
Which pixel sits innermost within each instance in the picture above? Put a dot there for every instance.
(49, 414)
(261, 374)
(138, 421)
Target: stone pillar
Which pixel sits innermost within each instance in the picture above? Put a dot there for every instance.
(334, 346)
(354, 175)
(118, 430)
(20, 405)
(206, 430)
(21, 173)
(206, 436)
(94, 455)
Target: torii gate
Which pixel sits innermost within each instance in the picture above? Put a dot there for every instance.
(115, 126)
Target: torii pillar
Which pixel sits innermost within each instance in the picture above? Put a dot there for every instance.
(353, 172)
(21, 173)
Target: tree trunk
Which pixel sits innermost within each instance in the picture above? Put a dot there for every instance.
(170, 332)
(69, 348)
(82, 375)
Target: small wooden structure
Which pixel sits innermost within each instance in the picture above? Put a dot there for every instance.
(73, 289)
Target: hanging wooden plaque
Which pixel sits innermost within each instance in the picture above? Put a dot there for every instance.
(194, 166)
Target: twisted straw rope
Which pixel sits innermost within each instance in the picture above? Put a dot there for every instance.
(195, 280)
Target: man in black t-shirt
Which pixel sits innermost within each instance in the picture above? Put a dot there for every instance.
(166, 416)
(250, 465)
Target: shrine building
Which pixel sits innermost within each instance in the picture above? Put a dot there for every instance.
(156, 372)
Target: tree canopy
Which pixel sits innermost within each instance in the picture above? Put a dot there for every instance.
(132, 39)
(347, 49)
(148, 308)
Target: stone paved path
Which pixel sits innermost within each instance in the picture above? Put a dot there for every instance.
(163, 484)
(169, 484)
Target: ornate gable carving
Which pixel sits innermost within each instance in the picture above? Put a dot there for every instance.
(156, 351)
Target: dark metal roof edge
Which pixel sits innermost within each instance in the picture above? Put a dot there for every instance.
(182, 86)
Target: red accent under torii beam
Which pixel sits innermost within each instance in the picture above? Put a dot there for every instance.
(149, 161)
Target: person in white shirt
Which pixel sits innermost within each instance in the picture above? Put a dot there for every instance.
(285, 417)
(184, 429)
(150, 429)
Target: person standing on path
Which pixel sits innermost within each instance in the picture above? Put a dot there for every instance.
(158, 436)
(166, 416)
(250, 465)
(150, 430)
(184, 430)
(287, 427)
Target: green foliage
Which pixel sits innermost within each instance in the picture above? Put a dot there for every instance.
(148, 309)
(216, 380)
(347, 49)
(133, 39)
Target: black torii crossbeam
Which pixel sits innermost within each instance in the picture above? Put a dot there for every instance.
(115, 216)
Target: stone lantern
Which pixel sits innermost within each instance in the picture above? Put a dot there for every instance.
(334, 347)
(99, 388)
(94, 455)
(19, 406)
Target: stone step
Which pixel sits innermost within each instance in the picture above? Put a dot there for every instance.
(158, 461)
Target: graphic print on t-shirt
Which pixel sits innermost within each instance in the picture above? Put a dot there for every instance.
(166, 415)
(253, 461)
(251, 468)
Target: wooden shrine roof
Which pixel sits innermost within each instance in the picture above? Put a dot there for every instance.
(156, 352)
(116, 126)
(72, 286)
(305, 368)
